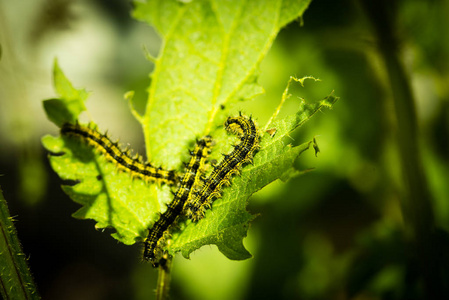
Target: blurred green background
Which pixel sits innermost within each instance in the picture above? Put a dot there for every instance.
(338, 232)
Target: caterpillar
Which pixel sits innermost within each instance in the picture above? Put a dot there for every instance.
(174, 209)
(184, 202)
(230, 165)
(122, 159)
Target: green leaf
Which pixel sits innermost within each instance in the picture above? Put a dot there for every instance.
(109, 196)
(210, 58)
(16, 281)
(227, 222)
(208, 62)
(67, 108)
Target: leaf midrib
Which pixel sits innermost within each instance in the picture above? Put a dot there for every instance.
(155, 80)
(262, 54)
(222, 65)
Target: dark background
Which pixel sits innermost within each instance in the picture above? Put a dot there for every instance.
(338, 232)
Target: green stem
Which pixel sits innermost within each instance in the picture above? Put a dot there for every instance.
(16, 281)
(417, 197)
(163, 281)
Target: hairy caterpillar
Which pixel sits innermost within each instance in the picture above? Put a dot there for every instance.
(192, 175)
(122, 159)
(230, 165)
(186, 201)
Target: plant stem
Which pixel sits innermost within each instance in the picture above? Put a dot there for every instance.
(16, 281)
(417, 197)
(164, 278)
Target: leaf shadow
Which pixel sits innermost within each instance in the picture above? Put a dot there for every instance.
(85, 155)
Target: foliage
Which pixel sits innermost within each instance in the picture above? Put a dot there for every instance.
(342, 230)
(16, 281)
(208, 63)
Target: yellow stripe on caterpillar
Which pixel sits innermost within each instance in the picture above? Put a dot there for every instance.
(122, 159)
(194, 168)
(228, 167)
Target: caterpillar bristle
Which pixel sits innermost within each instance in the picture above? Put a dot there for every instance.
(228, 167)
(167, 221)
(121, 158)
(195, 192)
